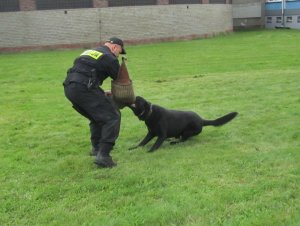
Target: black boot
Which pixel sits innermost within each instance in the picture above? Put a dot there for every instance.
(103, 159)
(94, 151)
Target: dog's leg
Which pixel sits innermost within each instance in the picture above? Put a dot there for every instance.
(176, 142)
(157, 144)
(147, 138)
(189, 133)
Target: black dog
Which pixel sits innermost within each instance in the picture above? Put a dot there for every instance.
(165, 123)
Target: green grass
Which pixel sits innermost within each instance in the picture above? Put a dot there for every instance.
(244, 173)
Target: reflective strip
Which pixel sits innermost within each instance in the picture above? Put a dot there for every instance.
(92, 53)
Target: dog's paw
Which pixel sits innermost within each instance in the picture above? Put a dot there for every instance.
(174, 142)
(151, 150)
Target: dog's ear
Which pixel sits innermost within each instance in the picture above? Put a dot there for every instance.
(147, 106)
(139, 99)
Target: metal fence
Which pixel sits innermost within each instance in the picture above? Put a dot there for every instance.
(9, 5)
(217, 1)
(14, 5)
(171, 2)
(112, 3)
(63, 4)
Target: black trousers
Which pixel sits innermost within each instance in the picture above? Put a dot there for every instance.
(104, 116)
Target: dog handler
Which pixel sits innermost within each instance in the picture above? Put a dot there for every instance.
(82, 88)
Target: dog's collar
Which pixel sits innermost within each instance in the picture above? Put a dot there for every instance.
(149, 113)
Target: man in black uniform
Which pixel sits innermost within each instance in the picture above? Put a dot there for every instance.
(81, 87)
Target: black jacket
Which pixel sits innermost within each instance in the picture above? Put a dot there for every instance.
(100, 60)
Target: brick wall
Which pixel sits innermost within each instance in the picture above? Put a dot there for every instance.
(100, 3)
(162, 2)
(27, 5)
(136, 24)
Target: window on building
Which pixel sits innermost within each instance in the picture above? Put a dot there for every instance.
(269, 19)
(185, 2)
(289, 19)
(298, 19)
(130, 2)
(63, 4)
(278, 20)
(9, 5)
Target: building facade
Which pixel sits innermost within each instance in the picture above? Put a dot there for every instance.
(282, 14)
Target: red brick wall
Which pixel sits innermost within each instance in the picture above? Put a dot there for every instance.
(27, 5)
(162, 2)
(100, 3)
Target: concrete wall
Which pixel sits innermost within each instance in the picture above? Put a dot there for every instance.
(67, 28)
(247, 14)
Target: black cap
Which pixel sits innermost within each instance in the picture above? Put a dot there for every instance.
(115, 40)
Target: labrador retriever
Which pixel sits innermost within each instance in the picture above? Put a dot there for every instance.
(163, 123)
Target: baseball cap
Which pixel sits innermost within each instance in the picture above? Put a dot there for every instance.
(115, 40)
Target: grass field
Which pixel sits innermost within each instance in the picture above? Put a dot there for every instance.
(244, 173)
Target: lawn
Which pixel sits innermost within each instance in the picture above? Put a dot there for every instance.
(244, 173)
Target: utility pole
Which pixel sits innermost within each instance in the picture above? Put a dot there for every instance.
(283, 12)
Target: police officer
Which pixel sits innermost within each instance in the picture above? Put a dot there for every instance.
(82, 88)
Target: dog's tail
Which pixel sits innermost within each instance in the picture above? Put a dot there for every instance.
(220, 121)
